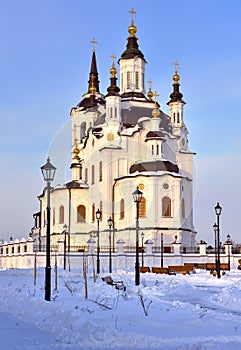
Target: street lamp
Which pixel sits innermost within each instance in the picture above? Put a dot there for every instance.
(98, 216)
(137, 195)
(48, 172)
(142, 249)
(215, 227)
(110, 224)
(65, 233)
(218, 210)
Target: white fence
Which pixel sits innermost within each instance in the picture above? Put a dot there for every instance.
(25, 254)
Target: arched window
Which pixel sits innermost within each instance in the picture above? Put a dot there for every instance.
(61, 214)
(178, 117)
(81, 213)
(128, 80)
(174, 117)
(142, 208)
(157, 150)
(100, 170)
(82, 130)
(166, 207)
(137, 80)
(183, 209)
(122, 209)
(152, 150)
(53, 216)
(93, 213)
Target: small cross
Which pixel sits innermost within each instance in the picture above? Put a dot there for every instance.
(176, 63)
(155, 96)
(132, 14)
(93, 42)
(113, 59)
(150, 82)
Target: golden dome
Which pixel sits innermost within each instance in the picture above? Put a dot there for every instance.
(155, 113)
(150, 94)
(132, 30)
(76, 152)
(113, 71)
(176, 78)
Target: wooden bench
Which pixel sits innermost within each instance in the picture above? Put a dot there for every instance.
(196, 265)
(160, 270)
(212, 266)
(117, 284)
(184, 270)
(144, 269)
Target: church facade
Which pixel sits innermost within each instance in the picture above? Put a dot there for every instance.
(121, 141)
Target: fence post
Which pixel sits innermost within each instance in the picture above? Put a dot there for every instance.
(202, 247)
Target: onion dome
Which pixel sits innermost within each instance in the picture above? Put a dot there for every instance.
(113, 89)
(76, 152)
(176, 95)
(150, 93)
(132, 47)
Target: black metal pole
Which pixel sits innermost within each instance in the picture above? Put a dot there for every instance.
(218, 246)
(216, 260)
(48, 267)
(110, 258)
(161, 249)
(137, 266)
(98, 246)
(142, 251)
(229, 246)
(65, 250)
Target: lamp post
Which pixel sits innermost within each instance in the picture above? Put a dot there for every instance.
(161, 249)
(65, 233)
(215, 227)
(98, 216)
(218, 210)
(229, 245)
(142, 249)
(48, 172)
(137, 195)
(110, 224)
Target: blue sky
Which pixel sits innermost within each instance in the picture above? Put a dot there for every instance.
(44, 67)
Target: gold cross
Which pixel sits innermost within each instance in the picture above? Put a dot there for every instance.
(176, 63)
(150, 82)
(113, 59)
(132, 14)
(155, 96)
(93, 42)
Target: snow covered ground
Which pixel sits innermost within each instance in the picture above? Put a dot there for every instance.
(191, 312)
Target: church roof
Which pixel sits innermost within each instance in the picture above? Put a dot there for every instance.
(157, 165)
(131, 116)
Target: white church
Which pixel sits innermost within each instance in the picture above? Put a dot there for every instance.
(121, 140)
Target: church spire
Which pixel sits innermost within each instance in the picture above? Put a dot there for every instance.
(93, 95)
(176, 95)
(93, 76)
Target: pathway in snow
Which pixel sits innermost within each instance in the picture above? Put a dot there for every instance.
(16, 335)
